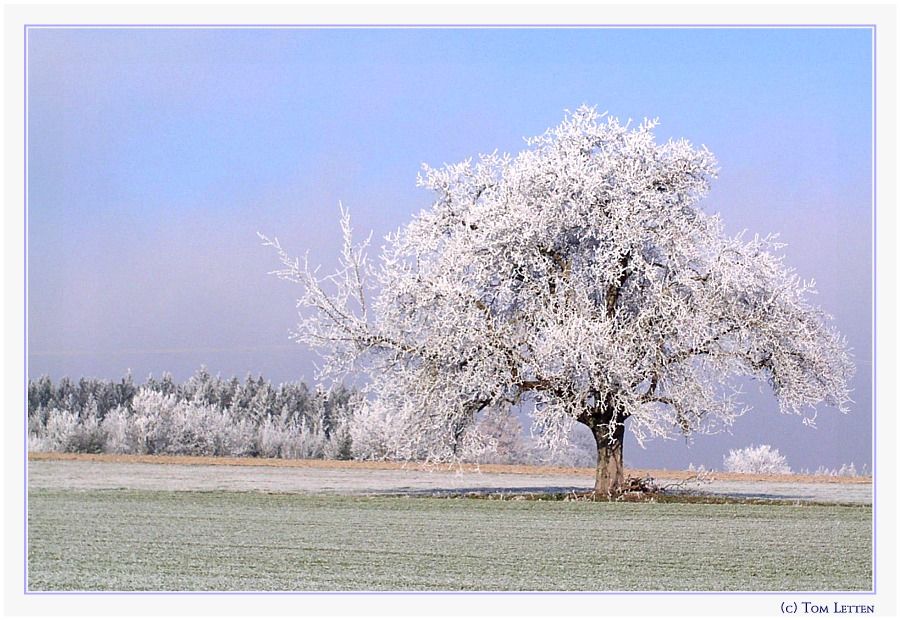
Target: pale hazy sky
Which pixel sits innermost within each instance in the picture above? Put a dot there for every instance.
(155, 155)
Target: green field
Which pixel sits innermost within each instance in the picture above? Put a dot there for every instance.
(160, 540)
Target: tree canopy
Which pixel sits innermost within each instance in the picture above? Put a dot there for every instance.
(583, 275)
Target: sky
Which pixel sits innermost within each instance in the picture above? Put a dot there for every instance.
(156, 155)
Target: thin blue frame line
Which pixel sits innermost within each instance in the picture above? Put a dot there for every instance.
(457, 26)
(874, 307)
(704, 593)
(25, 298)
(872, 27)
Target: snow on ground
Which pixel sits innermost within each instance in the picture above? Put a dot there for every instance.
(51, 474)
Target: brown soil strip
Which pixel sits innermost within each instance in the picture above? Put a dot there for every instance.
(487, 468)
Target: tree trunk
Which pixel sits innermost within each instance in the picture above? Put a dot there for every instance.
(610, 468)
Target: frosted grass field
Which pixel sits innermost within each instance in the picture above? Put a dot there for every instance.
(157, 540)
(87, 532)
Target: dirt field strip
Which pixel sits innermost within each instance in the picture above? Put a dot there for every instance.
(465, 468)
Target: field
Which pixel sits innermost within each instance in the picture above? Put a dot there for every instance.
(101, 525)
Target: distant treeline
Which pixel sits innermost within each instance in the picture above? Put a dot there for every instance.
(204, 415)
(252, 398)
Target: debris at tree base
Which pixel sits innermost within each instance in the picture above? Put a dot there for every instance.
(641, 485)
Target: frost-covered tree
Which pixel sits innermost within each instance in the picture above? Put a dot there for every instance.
(581, 275)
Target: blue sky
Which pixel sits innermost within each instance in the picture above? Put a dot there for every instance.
(155, 155)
